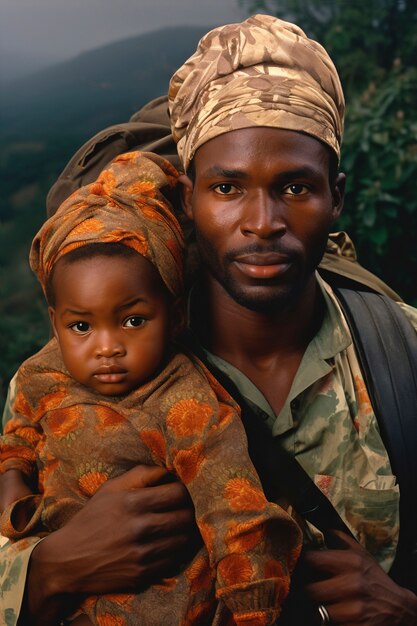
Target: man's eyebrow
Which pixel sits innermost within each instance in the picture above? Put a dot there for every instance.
(301, 172)
(304, 171)
(217, 170)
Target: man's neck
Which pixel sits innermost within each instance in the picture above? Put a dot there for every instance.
(267, 347)
(235, 329)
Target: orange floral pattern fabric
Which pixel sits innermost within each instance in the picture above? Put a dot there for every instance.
(183, 420)
(124, 205)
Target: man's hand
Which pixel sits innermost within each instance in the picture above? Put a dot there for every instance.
(355, 590)
(133, 531)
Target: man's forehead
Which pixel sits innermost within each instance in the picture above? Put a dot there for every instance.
(233, 154)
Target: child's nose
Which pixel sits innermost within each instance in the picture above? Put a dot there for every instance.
(108, 346)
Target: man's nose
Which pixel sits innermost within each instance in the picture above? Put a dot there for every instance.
(263, 217)
(108, 345)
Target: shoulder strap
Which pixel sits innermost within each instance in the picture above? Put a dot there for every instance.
(386, 344)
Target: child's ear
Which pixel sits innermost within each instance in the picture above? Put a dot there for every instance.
(186, 194)
(177, 318)
(51, 312)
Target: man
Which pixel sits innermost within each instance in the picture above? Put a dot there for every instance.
(258, 115)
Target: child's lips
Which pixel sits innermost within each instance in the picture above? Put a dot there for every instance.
(110, 374)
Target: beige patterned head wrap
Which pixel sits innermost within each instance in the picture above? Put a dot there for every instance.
(124, 205)
(262, 72)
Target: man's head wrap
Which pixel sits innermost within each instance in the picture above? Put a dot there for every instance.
(124, 205)
(262, 72)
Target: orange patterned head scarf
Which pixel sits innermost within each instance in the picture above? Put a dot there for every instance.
(124, 205)
(262, 72)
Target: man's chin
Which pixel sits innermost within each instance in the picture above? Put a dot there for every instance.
(265, 301)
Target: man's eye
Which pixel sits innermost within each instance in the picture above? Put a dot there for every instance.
(80, 328)
(225, 189)
(295, 189)
(134, 322)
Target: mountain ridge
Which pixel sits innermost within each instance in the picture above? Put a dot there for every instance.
(102, 86)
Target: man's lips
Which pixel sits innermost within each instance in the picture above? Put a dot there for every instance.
(110, 374)
(264, 265)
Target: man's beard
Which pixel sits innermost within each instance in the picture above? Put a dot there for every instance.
(275, 297)
(265, 300)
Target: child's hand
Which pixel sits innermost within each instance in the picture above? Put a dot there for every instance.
(12, 488)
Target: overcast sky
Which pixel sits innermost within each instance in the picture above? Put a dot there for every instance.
(48, 30)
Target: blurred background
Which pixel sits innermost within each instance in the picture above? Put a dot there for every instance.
(69, 69)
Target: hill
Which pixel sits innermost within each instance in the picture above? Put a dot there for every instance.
(97, 88)
(13, 66)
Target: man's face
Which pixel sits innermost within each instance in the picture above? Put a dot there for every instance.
(262, 206)
(112, 321)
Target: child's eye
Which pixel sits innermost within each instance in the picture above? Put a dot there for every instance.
(80, 328)
(134, 322)
(295, 189)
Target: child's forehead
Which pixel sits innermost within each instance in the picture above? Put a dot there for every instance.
(114, 276)
(100, 263)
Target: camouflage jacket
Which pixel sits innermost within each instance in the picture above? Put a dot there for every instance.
(328, 424)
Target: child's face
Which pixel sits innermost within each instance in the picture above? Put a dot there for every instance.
(112, 321)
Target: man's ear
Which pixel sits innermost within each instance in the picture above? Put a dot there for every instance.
(338, 194)
(51, 312)
(187, 195)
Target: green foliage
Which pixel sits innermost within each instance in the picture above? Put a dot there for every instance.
(23, 318)
(374, 47)
(380, 149)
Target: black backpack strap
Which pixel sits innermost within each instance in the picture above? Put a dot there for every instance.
(280, 472)
(386, 345)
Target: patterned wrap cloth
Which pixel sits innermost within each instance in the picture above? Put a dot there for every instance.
(262, 72)
(75, 440)
(144, 218)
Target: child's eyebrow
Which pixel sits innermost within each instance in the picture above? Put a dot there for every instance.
(130, 303)
(76, 312)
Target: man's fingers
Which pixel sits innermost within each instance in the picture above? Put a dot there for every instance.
(138, 477)
(148, 489)
(159, 499)
(165, 524)
(343, 551)
(333, 562)
(164, 547)
(330, 590)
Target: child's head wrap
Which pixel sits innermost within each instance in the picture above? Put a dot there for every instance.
(124, 205)
(262, 72)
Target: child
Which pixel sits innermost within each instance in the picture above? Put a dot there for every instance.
(111, 391)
